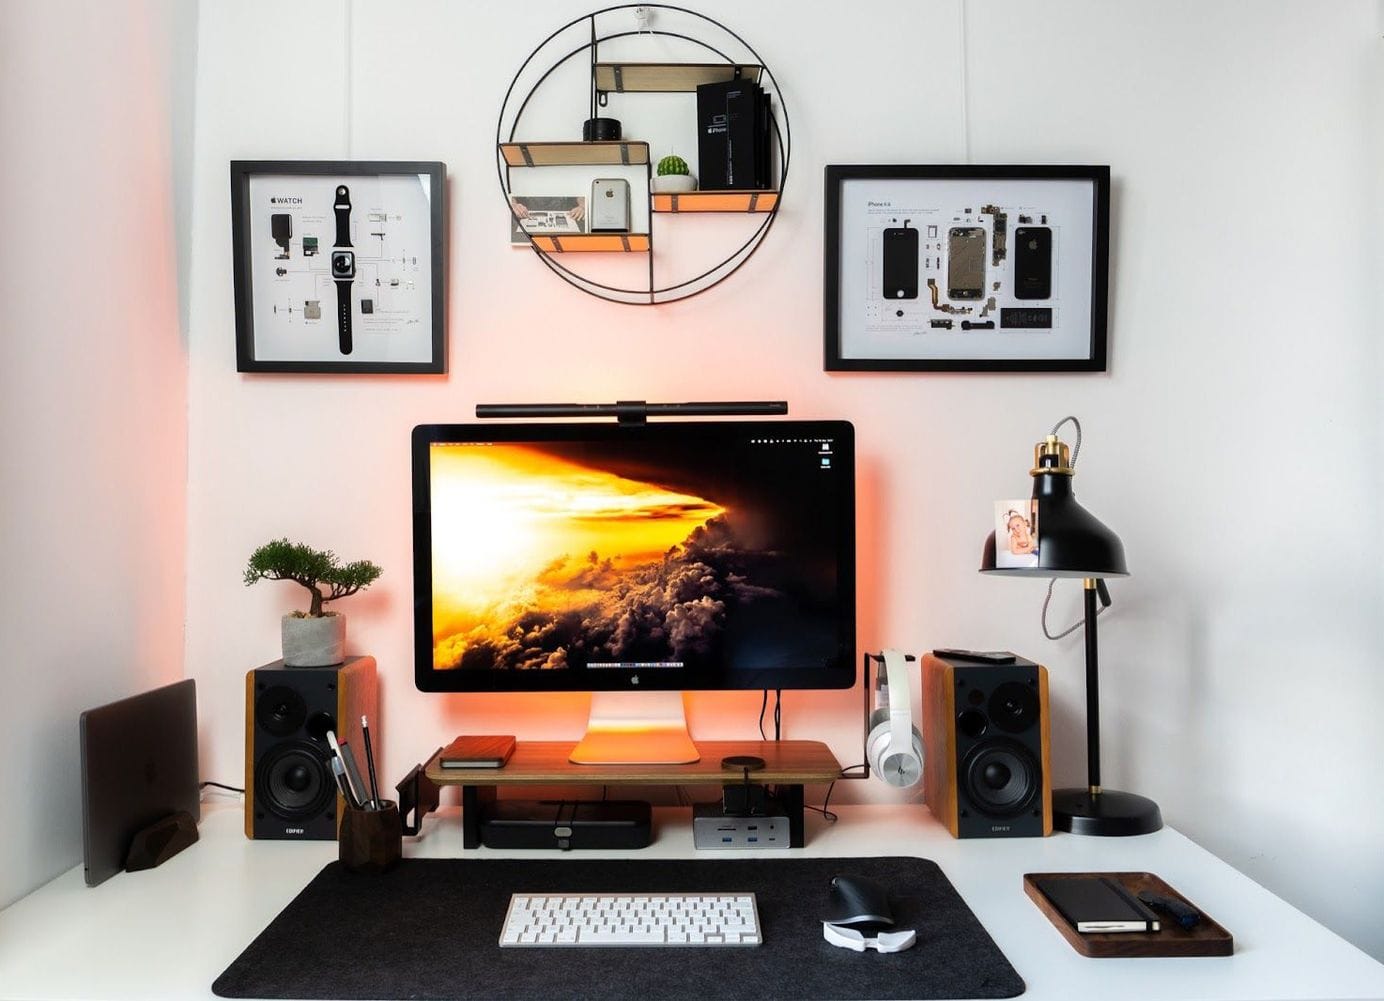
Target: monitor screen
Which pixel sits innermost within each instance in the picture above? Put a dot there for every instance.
(598, 557)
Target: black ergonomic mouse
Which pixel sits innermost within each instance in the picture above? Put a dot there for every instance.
(859, 902)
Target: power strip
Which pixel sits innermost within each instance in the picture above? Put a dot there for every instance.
(711, 828)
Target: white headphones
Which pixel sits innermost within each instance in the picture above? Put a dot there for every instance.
(895, 757)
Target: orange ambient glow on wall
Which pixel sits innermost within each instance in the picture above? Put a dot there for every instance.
(521, 537)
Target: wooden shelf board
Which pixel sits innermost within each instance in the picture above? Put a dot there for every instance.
(606, 243)
(545, 763)
(569, 154)
(715, 201)
(665, 78)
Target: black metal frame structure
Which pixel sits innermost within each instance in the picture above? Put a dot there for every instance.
(652, 295)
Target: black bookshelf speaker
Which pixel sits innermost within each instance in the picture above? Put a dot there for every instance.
(987, 772)
(290, 793)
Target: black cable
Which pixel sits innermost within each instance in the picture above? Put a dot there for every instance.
(220, 785)
(830, 815)
(778, 713)
(764, 704)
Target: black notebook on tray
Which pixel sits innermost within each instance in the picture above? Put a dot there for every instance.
(1098, 904)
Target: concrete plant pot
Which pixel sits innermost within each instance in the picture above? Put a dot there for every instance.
(314, 642)
(674, 184)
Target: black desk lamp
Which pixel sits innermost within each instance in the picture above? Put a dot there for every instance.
(1073, 543)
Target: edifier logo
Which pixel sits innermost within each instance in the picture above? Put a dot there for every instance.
(999, 827)
(286, 200)
(293, 830)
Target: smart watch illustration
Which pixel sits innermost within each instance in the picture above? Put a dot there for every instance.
(343, 266)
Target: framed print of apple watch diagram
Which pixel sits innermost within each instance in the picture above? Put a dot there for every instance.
(966, 268)
(338, 266)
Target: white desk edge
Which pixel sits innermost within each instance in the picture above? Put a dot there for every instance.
(170, 931)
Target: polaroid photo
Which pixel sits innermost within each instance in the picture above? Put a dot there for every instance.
(1016, 533)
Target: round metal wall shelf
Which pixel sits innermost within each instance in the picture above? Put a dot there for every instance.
(584, 35)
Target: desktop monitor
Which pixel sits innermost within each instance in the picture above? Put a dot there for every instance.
(609, 558)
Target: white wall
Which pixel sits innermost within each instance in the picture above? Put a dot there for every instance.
(93, 389)
(1234, 443)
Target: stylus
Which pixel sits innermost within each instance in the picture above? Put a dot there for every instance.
(370, 765)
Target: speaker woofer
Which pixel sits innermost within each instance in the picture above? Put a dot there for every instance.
(1001, 777)
(293, 782)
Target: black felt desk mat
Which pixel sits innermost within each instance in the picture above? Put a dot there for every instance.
(430, 929)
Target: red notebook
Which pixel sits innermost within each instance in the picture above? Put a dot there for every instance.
(477, 752)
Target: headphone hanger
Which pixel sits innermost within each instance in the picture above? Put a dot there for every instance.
(878, 658)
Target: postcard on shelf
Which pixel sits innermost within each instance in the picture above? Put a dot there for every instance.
(477, 752)
(552, 215)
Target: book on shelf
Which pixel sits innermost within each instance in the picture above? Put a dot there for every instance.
(477, 752)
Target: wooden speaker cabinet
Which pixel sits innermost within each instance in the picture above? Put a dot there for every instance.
(987, 771)
(290, 793)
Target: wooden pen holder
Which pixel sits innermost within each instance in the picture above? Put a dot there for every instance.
(371, 840)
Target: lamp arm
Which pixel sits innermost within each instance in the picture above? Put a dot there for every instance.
(1101, 590)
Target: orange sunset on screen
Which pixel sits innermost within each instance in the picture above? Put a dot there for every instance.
(521, 537)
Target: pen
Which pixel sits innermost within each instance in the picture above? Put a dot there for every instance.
(370, 764)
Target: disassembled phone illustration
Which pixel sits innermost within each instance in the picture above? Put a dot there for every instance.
(901, 263)
(965, 262)
(1033, 262)
(991, 263)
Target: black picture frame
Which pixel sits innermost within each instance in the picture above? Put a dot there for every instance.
(1095, 360)
(241, 172)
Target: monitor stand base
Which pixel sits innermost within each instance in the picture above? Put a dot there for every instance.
(636, 728)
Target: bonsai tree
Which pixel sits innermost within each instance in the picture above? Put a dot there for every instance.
(325, 577)
(672, 165)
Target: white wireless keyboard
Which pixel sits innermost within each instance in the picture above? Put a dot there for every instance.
(630, 919)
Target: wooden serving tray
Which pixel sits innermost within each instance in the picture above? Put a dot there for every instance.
(1207, 939)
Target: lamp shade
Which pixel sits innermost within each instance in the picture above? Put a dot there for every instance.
(1072, 542)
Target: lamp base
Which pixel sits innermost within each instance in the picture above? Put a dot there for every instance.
(1108, 814)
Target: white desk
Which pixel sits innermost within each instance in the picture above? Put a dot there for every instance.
(168, 932)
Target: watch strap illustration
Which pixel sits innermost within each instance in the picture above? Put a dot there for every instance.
(342, 207)
(343, 315)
